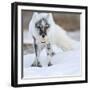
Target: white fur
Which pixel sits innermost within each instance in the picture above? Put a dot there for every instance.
(56, 34)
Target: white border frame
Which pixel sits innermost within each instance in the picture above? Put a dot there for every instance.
(82, 34)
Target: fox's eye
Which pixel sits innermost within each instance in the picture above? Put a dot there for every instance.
(37, 25)
(47, 25)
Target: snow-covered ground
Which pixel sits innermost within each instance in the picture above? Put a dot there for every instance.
(64, 64)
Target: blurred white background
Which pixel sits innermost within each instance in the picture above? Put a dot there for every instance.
(5, 45)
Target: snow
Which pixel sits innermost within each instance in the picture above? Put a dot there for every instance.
(64, 64)
(75, 35)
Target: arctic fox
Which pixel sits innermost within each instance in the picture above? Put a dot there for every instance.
(46, 32)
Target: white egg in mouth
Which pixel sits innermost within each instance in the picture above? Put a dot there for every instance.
(43, 40)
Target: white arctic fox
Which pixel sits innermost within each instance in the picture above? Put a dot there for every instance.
(46, 32)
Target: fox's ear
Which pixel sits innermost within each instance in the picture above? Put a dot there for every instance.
(50, 18)
(49, 15)
(35, 14)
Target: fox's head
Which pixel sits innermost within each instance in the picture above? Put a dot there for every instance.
(42, 23)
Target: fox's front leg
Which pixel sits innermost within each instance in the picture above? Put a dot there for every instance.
(37, 54)
(50, 53)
